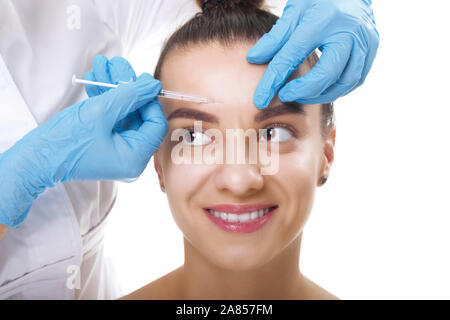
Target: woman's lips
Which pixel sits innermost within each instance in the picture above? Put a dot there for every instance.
(240, 218)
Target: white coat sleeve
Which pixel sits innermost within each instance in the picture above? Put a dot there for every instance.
(140, 23)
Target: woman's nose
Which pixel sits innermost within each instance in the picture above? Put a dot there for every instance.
(239, 179)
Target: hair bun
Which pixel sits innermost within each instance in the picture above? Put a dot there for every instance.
(209, 4)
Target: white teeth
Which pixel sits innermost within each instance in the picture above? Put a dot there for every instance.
(243, 217)
(233, 217)
(254, 215)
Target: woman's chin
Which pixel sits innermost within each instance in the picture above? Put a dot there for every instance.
(240, 261)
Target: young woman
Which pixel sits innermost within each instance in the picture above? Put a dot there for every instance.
(242, 229)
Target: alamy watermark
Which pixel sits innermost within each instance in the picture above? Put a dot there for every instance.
(231, 150)
(73, 21)
(74, 279)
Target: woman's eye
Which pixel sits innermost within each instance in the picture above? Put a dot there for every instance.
(276, 134)
(196, 138)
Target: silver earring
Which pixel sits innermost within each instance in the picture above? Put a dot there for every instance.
(162, 188)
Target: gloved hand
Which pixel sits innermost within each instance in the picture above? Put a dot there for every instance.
(113, 71)
(80, 143)
(343, 30)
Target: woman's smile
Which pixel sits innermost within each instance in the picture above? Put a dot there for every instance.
(240, 218)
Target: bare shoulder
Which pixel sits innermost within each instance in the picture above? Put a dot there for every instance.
(316, 292)
(164, 288)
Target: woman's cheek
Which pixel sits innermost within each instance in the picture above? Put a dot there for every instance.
(187, 179)
(185, 184)
(297, 176)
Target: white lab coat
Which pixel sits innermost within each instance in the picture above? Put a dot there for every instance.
(42, 43)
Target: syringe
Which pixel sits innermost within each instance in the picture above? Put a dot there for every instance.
(163, 93)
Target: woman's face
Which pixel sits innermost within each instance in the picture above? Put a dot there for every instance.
(198, 191)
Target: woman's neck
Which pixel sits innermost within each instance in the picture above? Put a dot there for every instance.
(278, 279)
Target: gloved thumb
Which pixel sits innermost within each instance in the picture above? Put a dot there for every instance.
(116, 104)
(138, 93)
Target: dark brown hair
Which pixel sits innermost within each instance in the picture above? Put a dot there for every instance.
(228, 22)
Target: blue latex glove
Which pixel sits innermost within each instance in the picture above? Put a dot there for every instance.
(113, 71)
(343, 30)
(80, 143)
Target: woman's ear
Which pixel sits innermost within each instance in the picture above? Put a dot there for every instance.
(328, 156)
(157, 164)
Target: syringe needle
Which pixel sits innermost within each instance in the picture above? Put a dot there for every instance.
(163, 93)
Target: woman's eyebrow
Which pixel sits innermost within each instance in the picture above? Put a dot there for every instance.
(193, 114)
(283, 108)
(272, 111)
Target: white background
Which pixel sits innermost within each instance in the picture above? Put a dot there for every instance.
(380, 226)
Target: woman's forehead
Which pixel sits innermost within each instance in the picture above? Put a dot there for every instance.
(214, 71)
(217, 72)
